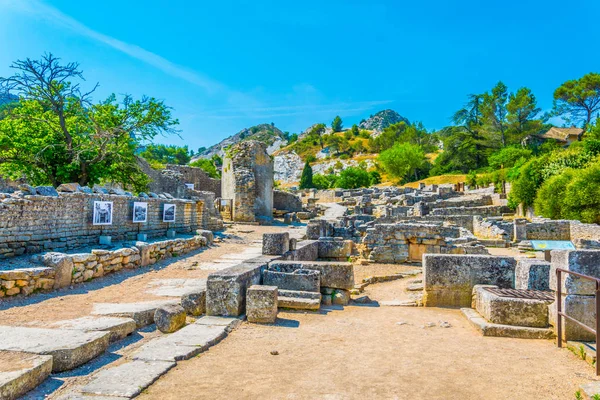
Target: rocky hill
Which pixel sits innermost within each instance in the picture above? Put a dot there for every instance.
(382, 120)
(9, 98)
(266, 133)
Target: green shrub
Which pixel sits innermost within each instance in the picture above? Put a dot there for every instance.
(353, 178)
(207, 166)
(549, 201)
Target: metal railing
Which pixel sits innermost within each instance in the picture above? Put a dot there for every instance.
(560, 314)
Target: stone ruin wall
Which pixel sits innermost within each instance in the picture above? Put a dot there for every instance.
(402, 242)
(197, 176)
(34, 224)
(286, 201)
(247, 180)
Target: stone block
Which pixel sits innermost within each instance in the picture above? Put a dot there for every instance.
(335, 249)
(276, 243)
(583, 309)
(261, 304)
(291, 277)
(169, 318)
(306, 250)
(586, 262)
(69, 188)
(449, 279)
(46, 191)
(532, 274)
(338, 275)
(62, 264)
(226, 289)
(194, 303)
(209, 235)
(22, 372)
(341, 297)
(509, 310)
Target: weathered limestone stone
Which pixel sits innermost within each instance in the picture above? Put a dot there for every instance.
(209, 235)
(63, 267)
(490, 329)
(292, 277)
(583, 309)
(27, 189)
(194, 303)
(119, 328)
(276, 243)
(247, 180)
(306, 250)
(68, 348)
(127, 380)
(226, 289)
(532, 274)
(142, 313)
(46, 191)
(586, 262)
(341, 297)
(169, 318)
(510, 310)
(449, 279)
(338, 275)
(22, 372)
(330, 248)
(261, 304)
(69, 188)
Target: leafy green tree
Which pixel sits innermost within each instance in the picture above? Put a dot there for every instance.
(57, 135)
(403, 161)
(582, 198)
(522, 112)
(166, 154)
(354, 130)
(471, 179)
(336, 124)
(208, 165)
(306, 179)
(321, 181)
(375, 178)
(353, 178)
(578, 100)
(293, 138)
(348, 135)
(549, 201)
(494, 112)
(508, 157)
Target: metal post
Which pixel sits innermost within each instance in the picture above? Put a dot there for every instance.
(597, 326)
(558, 308)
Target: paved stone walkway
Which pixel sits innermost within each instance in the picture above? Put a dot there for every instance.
(333, 210)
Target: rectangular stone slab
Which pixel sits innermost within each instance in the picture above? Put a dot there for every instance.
(183, 344)
(119, 328)
(142, 313)
(175, 287)
(226, 289)
(337, 275)
(22, 372)
(69, 348)
(127, 380)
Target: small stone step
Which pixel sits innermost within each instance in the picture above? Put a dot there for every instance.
(298, 303)
(142, 313)
(299, 294)
(22, 372)
(488, 329)
(183, 344)
(119, 328)
(414, 287)
(68, 348)
(128, 379)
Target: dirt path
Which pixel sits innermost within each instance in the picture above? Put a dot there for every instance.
(363, 352)
(125, 286)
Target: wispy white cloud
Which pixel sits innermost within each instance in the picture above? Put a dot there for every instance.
(238, 104)
(44, 11)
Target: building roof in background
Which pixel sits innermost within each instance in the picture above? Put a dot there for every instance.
(562, 134)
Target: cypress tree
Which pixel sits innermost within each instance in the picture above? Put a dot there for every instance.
(306, 180)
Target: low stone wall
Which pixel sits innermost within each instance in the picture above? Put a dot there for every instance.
(485, 228)
(32, 223)
(549, 230)
(197, 176)
(402, 242)
(579, 231)
(448, 280)
(83, 267)
(485, 211)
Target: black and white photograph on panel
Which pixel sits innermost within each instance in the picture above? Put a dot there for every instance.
(140, 212)
(103, 213)
(169, 213)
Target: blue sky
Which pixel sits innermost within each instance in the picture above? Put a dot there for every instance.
(225, 65)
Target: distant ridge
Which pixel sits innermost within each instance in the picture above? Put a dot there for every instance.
(382, 120)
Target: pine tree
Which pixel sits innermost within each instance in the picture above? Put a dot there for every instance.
(336, 124)
(306, 180)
